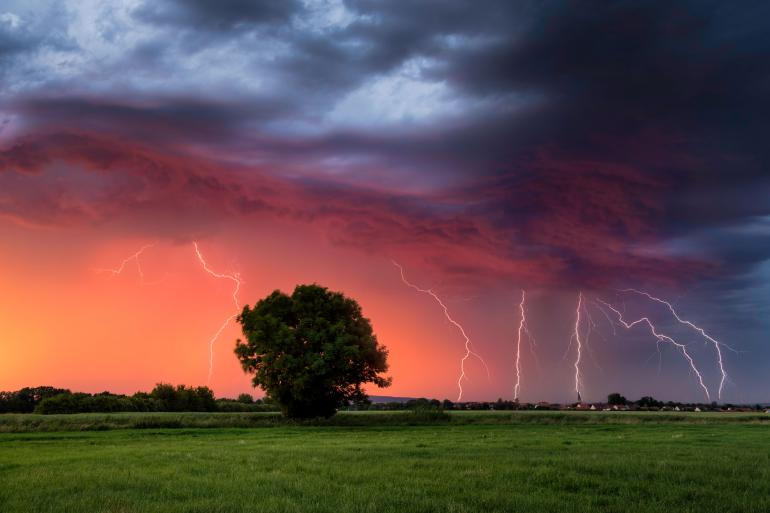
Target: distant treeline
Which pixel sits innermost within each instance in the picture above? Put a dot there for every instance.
(164, 397)
(169, 398)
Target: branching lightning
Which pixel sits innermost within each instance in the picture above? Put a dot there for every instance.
(468, 344)
(717, 344)
(135, 257)
(236, 279)
(661, 338)
(606, 316)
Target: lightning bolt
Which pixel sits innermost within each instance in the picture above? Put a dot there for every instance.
(661, 338)
(576, 336)
(236, 279)
(135, 257)
(523, 329)
(717, 344)
(468, 351)
(606, 316)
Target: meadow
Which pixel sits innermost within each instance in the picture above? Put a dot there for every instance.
(386, 461)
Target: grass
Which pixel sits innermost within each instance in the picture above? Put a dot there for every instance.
(382, 462)
(24, 423)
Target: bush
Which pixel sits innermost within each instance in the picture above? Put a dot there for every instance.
(230, 406)
(245, 398)
(429, 415)
(183, 398)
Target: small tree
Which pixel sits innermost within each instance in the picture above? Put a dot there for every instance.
(245, 398)
(616, 399)
(310, 351)
(649, 402)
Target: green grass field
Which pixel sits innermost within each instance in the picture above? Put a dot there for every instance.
(383, 462)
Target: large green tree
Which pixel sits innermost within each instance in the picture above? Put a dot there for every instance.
(311, 351)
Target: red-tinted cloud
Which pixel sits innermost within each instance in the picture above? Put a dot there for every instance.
(556, 223)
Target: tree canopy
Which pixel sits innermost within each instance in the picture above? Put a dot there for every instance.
(311, 351)
(27, 399)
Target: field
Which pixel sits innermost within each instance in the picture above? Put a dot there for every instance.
(381, 462)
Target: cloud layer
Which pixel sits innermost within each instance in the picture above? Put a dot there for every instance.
(576, 145)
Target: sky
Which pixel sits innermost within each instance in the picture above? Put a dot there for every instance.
(573, 150)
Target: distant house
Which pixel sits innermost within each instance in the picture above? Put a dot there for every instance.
(676, 408)
(697, 409)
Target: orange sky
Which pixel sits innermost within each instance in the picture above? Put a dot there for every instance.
(62, 322)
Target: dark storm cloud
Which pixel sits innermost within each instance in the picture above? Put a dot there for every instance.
(382, 36)
(597, 137)
(152, 119)
(676, 93)
(218, 15)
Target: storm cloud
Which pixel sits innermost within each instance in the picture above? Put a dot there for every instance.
(563, 142)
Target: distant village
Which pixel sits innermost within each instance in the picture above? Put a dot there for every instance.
(614, 402)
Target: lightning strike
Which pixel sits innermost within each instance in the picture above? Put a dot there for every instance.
(236, 279)
(661, 338)
(468, 344)
(135, 257)
(523, 329)
(717, 344)
(579, 344)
